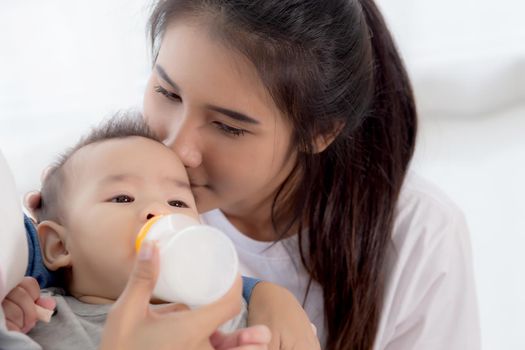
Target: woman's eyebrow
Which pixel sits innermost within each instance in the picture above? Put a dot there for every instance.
(227, 112)
(234, 115)
(165, 76)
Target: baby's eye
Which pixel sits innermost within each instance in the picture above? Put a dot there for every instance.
(178, 204)
(122, 198)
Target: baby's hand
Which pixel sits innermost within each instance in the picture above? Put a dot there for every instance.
(20, 305)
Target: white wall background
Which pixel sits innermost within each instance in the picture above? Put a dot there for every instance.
(467, 62)
(64, 65)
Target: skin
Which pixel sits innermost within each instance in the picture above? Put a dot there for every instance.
(197, 99)
(235, 165)
(132, 324)
(118, 185)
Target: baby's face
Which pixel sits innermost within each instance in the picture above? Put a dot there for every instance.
(114, 187)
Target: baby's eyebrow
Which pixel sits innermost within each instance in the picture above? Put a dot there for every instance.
(119, 178)
(135, 178)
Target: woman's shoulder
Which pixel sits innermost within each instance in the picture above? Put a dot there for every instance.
(421, 193)
(425, 214)
(429, 270)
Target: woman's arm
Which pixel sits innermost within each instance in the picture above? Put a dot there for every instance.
(277, 308)
(132, 324)
(13, 246)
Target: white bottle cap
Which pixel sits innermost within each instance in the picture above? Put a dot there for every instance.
(198, 263)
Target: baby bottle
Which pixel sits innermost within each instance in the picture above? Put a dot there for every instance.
(198, 263)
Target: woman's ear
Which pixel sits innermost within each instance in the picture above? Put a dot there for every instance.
(52, 242)
(323, 140)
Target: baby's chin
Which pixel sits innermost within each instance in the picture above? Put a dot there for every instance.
(99, 299)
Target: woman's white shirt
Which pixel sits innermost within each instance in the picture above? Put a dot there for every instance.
(430, 299)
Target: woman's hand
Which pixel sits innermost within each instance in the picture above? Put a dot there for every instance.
(132, 324)
(277, 308)
(32, 200)
(252, 338)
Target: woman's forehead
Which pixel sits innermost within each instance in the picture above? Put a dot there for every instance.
(208, 72)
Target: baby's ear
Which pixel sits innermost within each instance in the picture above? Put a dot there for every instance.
(52, 242)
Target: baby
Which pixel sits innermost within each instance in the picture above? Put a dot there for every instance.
(94, 202)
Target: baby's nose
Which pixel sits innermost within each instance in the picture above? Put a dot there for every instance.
(154, 209)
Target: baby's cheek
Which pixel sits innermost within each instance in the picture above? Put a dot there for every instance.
(122, 274)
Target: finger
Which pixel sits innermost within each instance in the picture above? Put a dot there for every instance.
(12, 326)
(220, 341)
(32, 201)
(13, 313)
(134, 300)
(259, 334)
(45, 173)
(209, 317)
(167, 309)
(47, 302)
(21, 297)
(30, 285)
(256, 335)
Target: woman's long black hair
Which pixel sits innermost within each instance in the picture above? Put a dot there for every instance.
(332, 68)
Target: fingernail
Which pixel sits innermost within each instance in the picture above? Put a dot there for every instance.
(146, 250)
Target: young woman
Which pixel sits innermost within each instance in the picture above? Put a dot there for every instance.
(296, 122)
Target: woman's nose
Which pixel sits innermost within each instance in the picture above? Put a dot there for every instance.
(185, 143)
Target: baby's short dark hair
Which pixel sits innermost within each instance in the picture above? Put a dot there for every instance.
(121, 125)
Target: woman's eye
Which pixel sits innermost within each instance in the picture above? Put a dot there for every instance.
(229, 130)
(178, 204)
(122, 198)
(170, 95)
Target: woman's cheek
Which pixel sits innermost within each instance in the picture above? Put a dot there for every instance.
(154, 118)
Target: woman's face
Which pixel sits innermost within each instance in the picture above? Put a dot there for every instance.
(208, 104)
